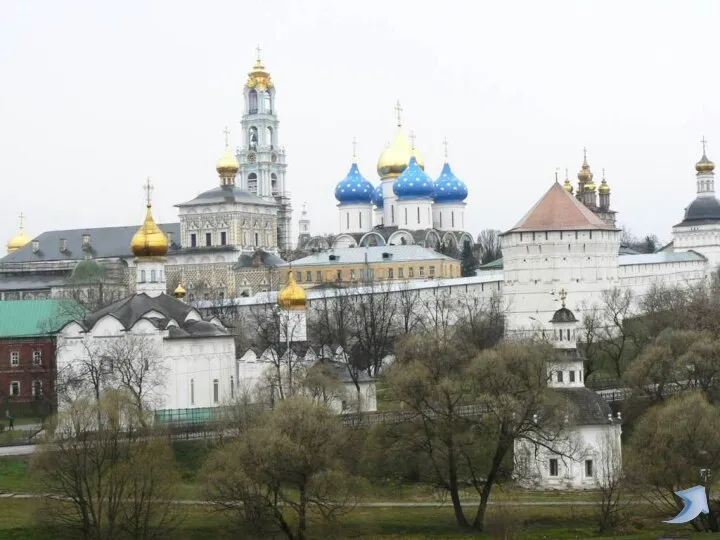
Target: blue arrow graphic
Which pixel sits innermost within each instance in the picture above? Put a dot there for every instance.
(695, 503)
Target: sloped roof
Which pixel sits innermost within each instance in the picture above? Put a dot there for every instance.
(227, 195)
(585, 407)
(264, 259)
(557, 210)
(129, 310)
(26, 318)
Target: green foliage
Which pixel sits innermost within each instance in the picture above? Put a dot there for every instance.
(468, 261)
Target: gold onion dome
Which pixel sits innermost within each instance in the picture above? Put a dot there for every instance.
(394, 159)
(585, 174)
(292, 295)
(567, 185)
(21, 239)
(704, 165)
(604, 188)
(149, 240)
(259, 78)
(179, 291)
(228, 163)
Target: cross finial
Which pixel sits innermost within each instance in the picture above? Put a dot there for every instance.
(148, 190)
(704, 142)
(304, 210)
(22, 217)
(398, 111)
(557, 169)
(445, 144)
(354, 143)
(226, 131)
(563, 296)
(603, 173)
(567, 178)
(259, 50)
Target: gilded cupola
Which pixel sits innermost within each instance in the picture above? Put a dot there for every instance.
(585, 175)
(149, 240)
(20, 239)
(292, 295)
(704, 165)
(604, 188)
(395, 157)
(259, 78)
(179, 291)
(227, 166)
(567, 185)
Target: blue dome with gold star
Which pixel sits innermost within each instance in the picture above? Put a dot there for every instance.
(378, 197)
(449, 188)
(354, 188)
(413, 183)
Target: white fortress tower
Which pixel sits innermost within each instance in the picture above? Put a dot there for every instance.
(558, 244)
(262, 160)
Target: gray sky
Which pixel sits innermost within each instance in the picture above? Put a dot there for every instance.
(95, 96)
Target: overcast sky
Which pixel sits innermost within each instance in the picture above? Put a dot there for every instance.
(95, 96)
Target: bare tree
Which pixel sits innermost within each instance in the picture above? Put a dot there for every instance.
(611, 486)
(373, 317)
(407, 306)
(488, 243)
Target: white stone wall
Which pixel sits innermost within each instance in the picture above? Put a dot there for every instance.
(705, 239)
(355, 218)
(414, 214)
(449, 216)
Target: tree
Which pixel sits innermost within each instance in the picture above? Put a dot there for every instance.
(284, 471)
(469, 411)
(669, 447)
(91, 286)
(468, 263)
(647, 244)
(113, 479)
(611, 485)
(488, 242)
(373, 321)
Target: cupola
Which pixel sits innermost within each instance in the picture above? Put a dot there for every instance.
(149, 240)
(20, 239)
(414, 182)
(292, 295)
(395, 157)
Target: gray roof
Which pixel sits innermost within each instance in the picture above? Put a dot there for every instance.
(563, 315)
(30, 282)
(130, 310)
(263, 258)
(105, 242)
(702, 211)
(226, 195)
(661, 257)
(373, 254)
(584, 406)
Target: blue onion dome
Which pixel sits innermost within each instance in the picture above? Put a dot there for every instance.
(448, 187)
(378, 198)
(354, 188)
(413, 183)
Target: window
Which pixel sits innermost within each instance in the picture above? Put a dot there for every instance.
(589, 468)
(223, 238)
(400, 273)
(257, 239)
(208, 239)
(318, 276)
(15, 358)
(298, 277)
(580, 375)
(252, 183)
(352, 274)
(572, 376)
(308, 276)
(37, 388)
(432, 271)
(216, 390)
(360, 219)
(192, 391)
(253, 102)
(553, 467)
(390, 273)
(452, 219)
(142, 276)
(406, 216)
(411, 272)
(392, 214)
(273, 183)
(193, 240)
(418, 214)
(153, 276)
(37, 358)
(339, 275)
(15, 388)
(422, 271)
(347, 220)
(232, 386)
(559, 376)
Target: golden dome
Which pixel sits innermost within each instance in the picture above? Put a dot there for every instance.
(259, 78)
(19, 240)
(704, 165)
(568, 186)
(394, 159)
(292, 295)
(585, 174)
(149, 240)
(604, 188)
(227, 164)
(179, 291)
(590, 186)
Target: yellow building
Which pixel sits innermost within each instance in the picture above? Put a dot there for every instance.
(352, 266)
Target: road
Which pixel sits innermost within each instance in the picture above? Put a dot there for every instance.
(20, 450)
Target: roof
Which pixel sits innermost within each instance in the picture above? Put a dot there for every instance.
(702, 211)
(105, 242)
(661, 257)
(563, 315)
(226, 195)
(373, 254)
(557, 210)
(584, 406)
(31, 282)
(492, 265)
(259, 258)
(26, 318)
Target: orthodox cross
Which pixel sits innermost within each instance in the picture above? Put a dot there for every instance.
(563, 296)
(567, 179)
(556, 173)
(21, 216)
(148, 189)
(259, 50)
(445, 144)
(398, 111)
(354, 143)
(603, 173)
(226, 131)
(703, 141)
(412, 139)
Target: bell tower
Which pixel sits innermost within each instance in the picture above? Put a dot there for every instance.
(261, 158)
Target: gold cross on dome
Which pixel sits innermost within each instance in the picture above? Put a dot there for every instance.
(259, 50)
(226, 131)
(445, 144)
(398, 111)
(412, 139)
(563, 296)
(148, 190)
(704, 142)
(354, 143)
(22, 217)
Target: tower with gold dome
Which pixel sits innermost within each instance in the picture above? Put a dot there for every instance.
(292, 304)
(261, 157)
(595, 197)
(149, 245)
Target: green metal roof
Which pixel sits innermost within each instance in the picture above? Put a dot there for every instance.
(28, 318)
(492, 265)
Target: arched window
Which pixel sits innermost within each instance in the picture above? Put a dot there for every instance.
(153, 276)
(269, 136)
(252, 183)
(392, 214)
(268, 103)
(232, 386)
(274, 183)
(406, 216)
(216, 390)
(257, 239)
(252, 137)
(253, 105)
(142, 276)
(192, 391)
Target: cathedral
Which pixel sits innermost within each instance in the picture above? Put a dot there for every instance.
(228, 240)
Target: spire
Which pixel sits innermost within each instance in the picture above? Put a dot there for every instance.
(148, 190)
(259, 52)
(149, 240)
(704, 165)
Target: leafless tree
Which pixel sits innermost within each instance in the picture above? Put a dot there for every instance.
(611, 485)
(407, 306)
(488, 243)
(373, 316)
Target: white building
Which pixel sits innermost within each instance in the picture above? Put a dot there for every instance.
(588, 452)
